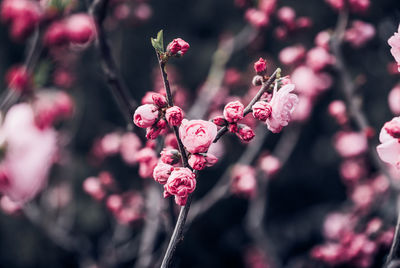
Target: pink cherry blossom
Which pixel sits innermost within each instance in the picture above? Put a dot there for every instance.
(80, 28)
(197, 161)
(322, 39)
(170, 156)
(29, 155)
(256, 17)
(161, 172)
(174, 115)
(197, 135)
(309, 82)
(233, 111)
(245, 133)
(181, 183)
(129, 146)
(389, 149)
(394, 42)
(145, 115)
(303, 109)
(287, 15)
(283, 103)
(261, 110)
(394, 100)
(291, 55)
(93, 187)
(244, 181)
(270, 165)
(350, 144)
(318, 58)
(359, 33)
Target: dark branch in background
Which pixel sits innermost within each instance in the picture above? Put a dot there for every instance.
(179, 227)
(348, 88)
(257, 206)
(98, 10)
(217, 70)
(34, 50)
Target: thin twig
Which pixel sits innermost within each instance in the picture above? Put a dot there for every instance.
(119, 90)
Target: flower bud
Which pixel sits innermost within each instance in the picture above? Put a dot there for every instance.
(80, 28)
(233, 128)
(260, 66)
(159, 100)
(233, 111)
(197, 161)
(178, 47)
(161, 172)
(257, 80)
(56, 34)
(174, 115)
(18, 78)
(245, 133)
(152, 132)
(145, 115)
(170, 156)
(262, 110)
(220, 121)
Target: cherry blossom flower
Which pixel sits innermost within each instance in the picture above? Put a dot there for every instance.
(145, 115)
(181, 183)
(389, 149)
(283, 103)
(29, 154)
(197, 135)
(394, 42)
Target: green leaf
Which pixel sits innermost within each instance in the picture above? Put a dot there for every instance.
(158, 43)
(42, 74)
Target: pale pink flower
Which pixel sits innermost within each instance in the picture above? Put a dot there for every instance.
(256, 17)
(261, 110)
(110, 143)
(336, 4)
(389, 149)
(336, 224)
(201, 161)
(337, 109)
(145, 115)
(129, 146)
(291, 55)
(244, 181)
(322, 39)
(270, 164)
(146, 155)
(29, 154)
(394, 42)
(287, 15)
(303, 109)
(170, 156)
(310, 83)
(181, 183)
(197, 161)
(359, 33)
(267, 6)
(363, 196)
(93, 187)
(131, 209)
(350, 144)
(114, 203)
(352, 170)
(161, 172)
(283, 103)
(318, 58)
(174, 115)
(197, 135)
(394, 100)
(146, 168)
(330, 253)
(80, 28)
